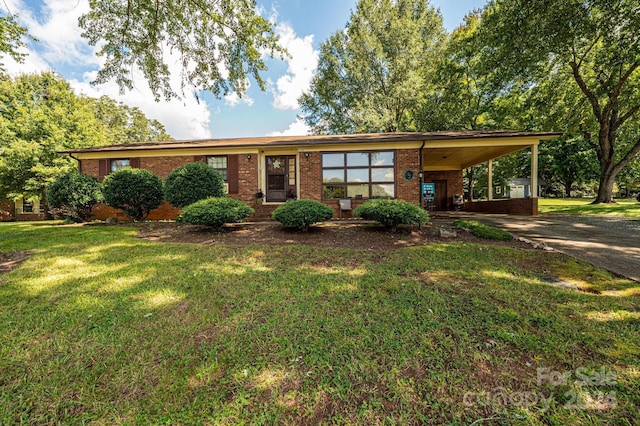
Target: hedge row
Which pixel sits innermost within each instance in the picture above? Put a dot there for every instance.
(199, 191)
(136, 191)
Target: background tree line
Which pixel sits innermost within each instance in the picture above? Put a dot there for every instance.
(41, 115)
(511, 65)
(561, 65)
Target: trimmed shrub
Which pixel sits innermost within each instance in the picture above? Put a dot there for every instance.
(136, 191)
(72, 196)
(301, 214)
(192, 182)
(392, 213)
(481, 230)
(215, 212)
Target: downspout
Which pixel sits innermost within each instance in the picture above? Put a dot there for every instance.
(78, 160)
(420, 175)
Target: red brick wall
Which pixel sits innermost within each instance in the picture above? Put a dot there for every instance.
(515, 206)
(408, 190)
(454, 183)
(7, 210)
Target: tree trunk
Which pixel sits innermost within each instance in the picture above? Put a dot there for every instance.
(605, 189)
(568, 184)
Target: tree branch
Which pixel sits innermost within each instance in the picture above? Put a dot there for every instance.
(595, 105)
(615, 93)
(629, 157)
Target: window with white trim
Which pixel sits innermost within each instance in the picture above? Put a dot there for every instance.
(121, 163)
(219, 163)
(358, 175)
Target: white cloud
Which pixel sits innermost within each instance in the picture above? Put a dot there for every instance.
(297, 128)
(233, 99)
(183, 118)
(60, 43)
(302, 63)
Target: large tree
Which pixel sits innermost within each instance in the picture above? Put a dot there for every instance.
(595, 42)
(41, 115)
(218, 43)
(373, 76)
(124, 123)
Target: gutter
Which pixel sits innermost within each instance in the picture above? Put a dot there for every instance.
(77, 159)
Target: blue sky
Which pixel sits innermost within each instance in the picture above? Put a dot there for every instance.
(302, 25)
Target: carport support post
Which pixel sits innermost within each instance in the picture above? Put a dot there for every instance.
(534, 171)
(490, 181)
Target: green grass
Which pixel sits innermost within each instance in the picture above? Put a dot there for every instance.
(98, 326)
(580, 206)
(481, 230)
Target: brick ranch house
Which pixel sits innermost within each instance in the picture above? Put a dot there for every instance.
(327, 168)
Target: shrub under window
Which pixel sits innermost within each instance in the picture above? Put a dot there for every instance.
(136, 191)
(215, 212)
(192, 182)
(301, 214)
(392, 213)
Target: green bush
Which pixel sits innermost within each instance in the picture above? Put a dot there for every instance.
(301, 214)
(72, 196)
(136, 191)
(392, 213)
(192, 182)
(215, 212)
(481, 230)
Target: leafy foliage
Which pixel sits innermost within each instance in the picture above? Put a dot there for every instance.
(373, 75)
(41, 115)
(218, 43)
(594, 47)
(481, 230)
(72, 196)
(11, 39)
(192, 182)
(215, 212)
(301, 214)
(136, 191)
(392, 213)
(126, 124)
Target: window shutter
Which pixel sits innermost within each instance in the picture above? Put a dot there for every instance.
(134, 162)
(232, 170)
(103, 167)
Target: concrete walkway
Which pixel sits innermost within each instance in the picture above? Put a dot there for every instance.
(609, 242)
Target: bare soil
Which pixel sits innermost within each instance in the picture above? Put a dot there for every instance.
(11, 260)
(349, 235)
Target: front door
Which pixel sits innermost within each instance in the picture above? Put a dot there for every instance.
(442, 198)
(281, 177)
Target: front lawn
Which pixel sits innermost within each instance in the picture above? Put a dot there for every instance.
(100, 326)
(622, 207)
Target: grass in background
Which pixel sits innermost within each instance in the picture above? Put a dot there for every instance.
(100, 326)
(580, 206)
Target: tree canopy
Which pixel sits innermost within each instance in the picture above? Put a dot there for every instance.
(218, 43)
(11, 39)
(41, 115)
(595, 44)
(373, 76)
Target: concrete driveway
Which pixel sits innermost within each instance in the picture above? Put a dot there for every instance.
(609, 242)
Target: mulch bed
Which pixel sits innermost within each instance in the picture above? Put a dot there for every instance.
(350, 235)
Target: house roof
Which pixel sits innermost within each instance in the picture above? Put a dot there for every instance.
(317, 140)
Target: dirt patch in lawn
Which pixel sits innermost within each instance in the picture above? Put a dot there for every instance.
(11, 260)
(350, 235)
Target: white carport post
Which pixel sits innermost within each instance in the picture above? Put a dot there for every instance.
(534, 171)
(490, 181)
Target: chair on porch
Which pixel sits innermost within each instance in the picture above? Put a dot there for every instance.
(344, 205)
